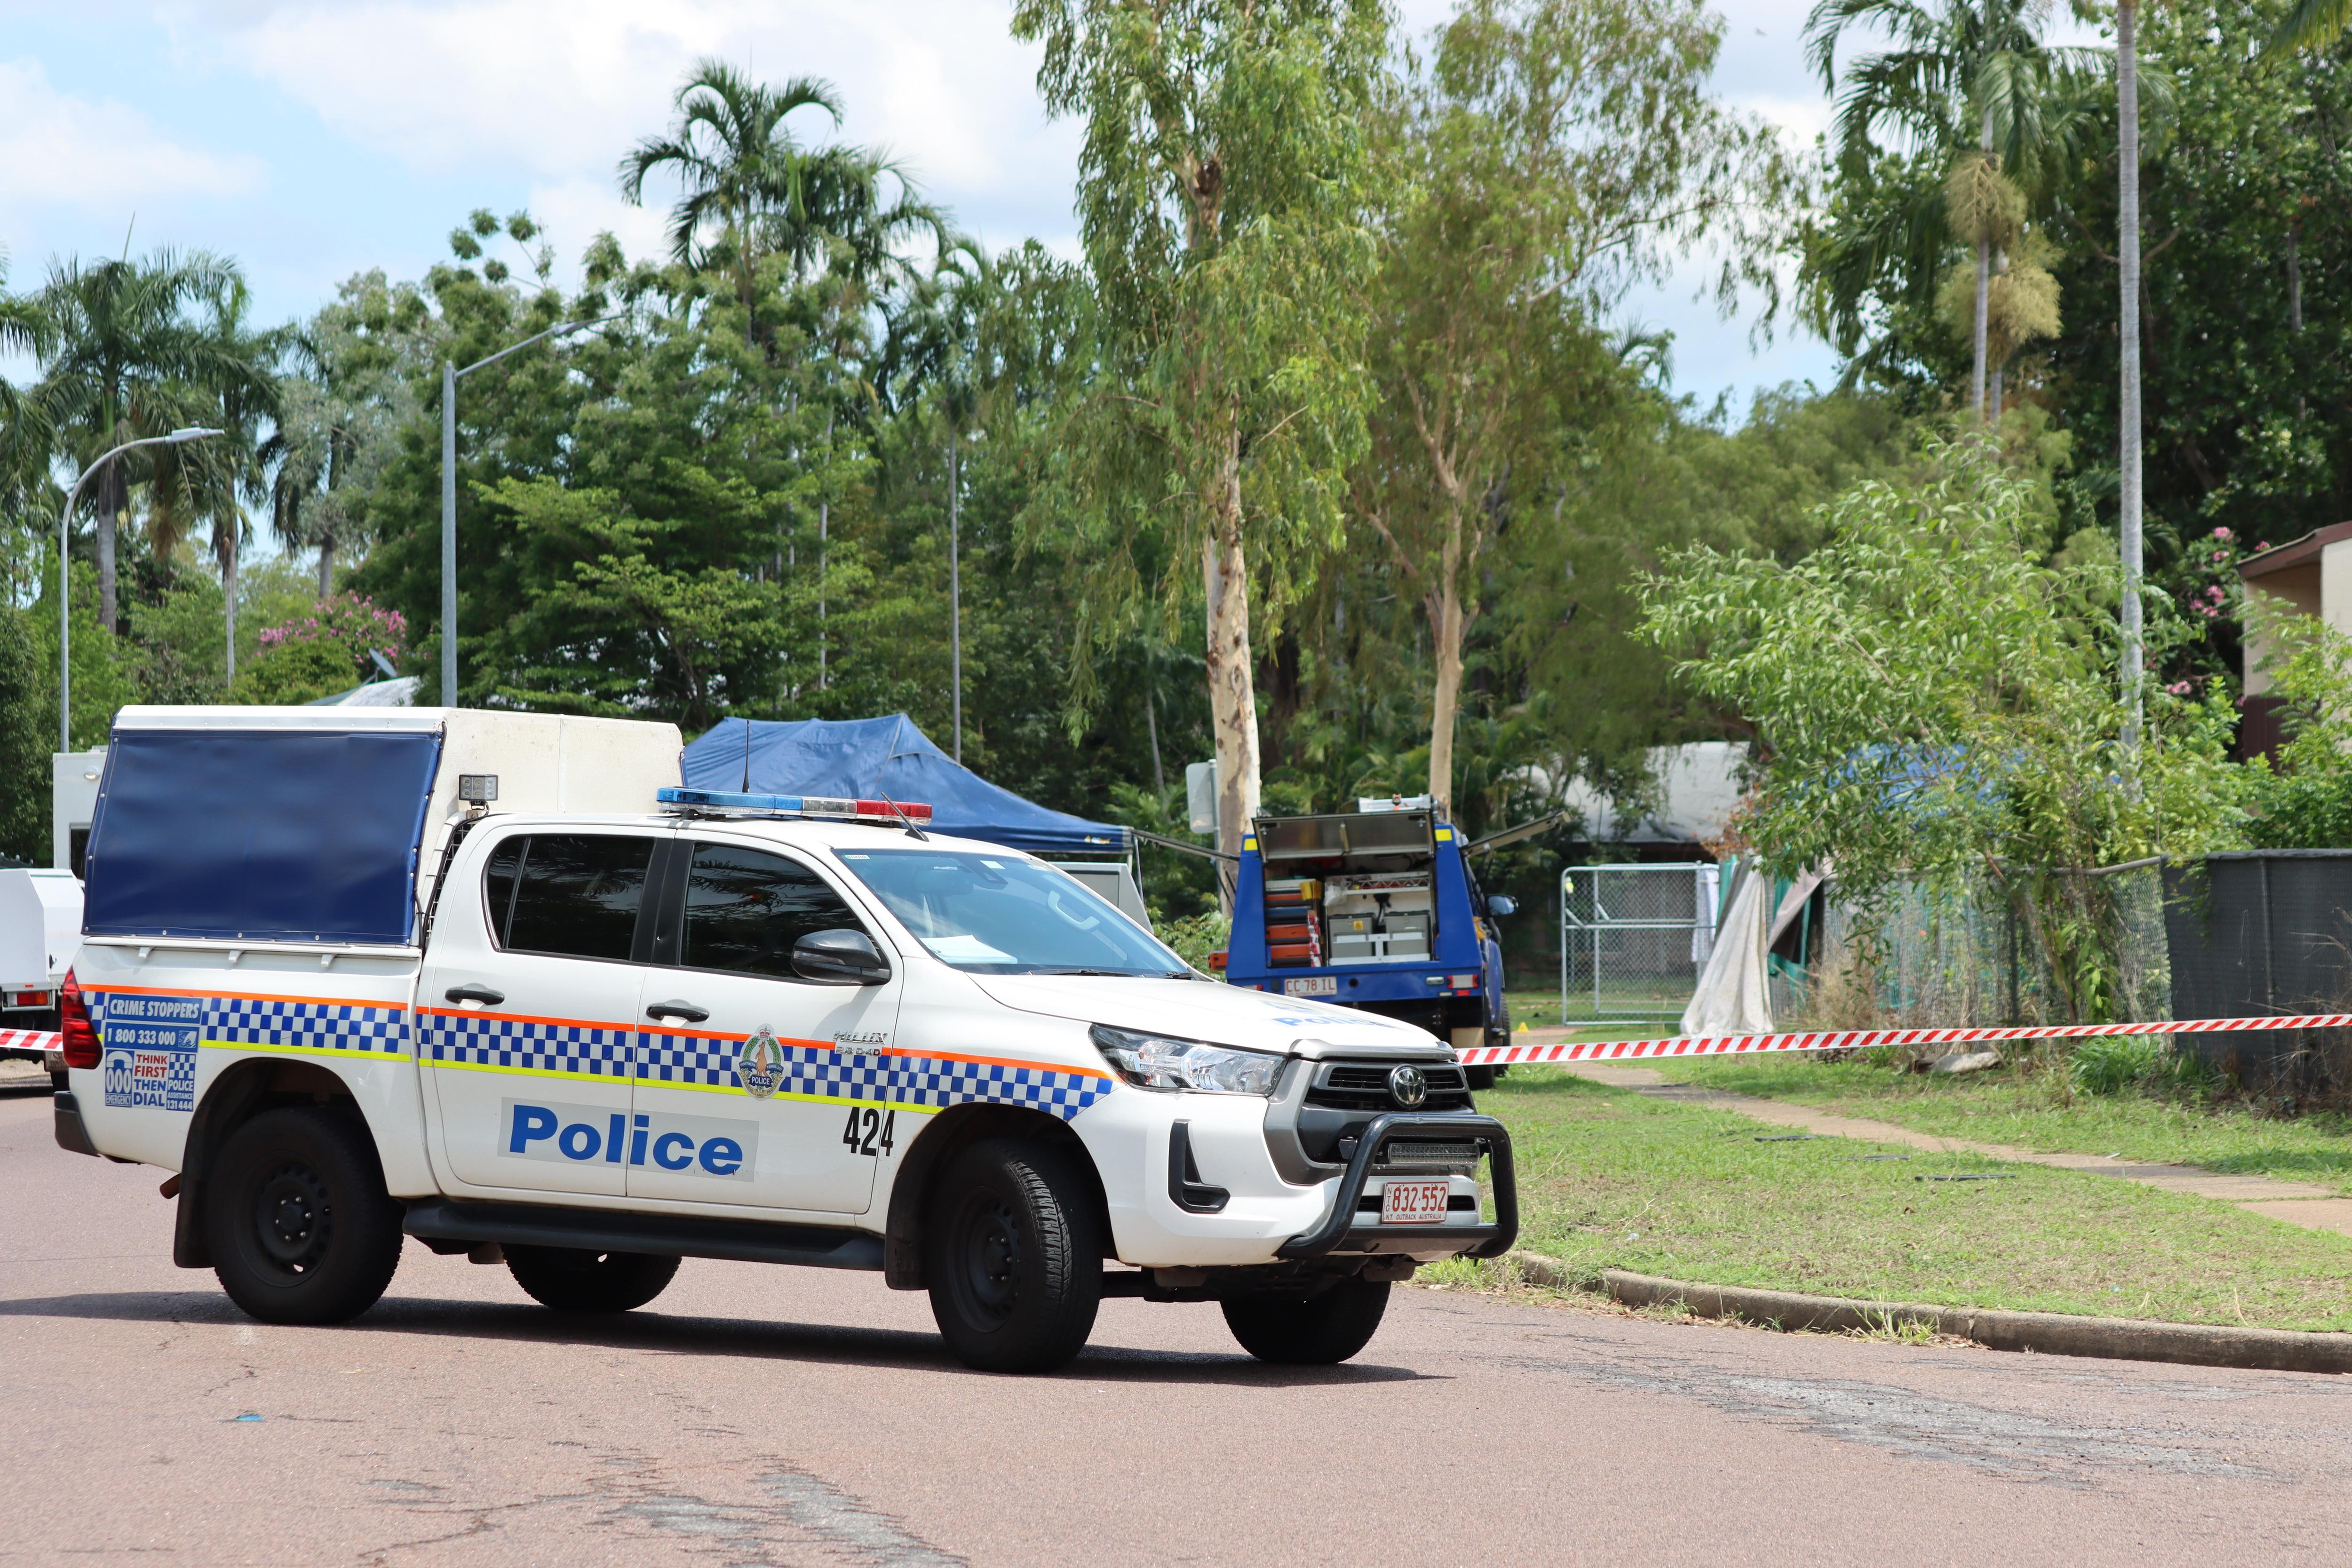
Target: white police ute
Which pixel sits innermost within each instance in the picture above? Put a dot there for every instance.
(494, 982)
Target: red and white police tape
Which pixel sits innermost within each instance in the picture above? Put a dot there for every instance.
(17, 1041)
(1863, 1039)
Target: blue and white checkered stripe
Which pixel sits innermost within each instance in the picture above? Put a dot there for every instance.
(819, 1072)
(937, 1082)
(358, 1027)
(305, 1026)
(521, 1045)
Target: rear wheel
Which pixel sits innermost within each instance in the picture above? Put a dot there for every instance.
(1322, 1330)
(572, 1279)
(1014, 1254)
(300, 1227)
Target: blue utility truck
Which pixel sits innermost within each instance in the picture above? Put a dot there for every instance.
(1376, 909)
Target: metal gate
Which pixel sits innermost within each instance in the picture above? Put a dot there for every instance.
(1632, 939)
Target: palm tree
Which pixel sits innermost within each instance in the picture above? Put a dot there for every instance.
(933, 357)
(1960, 71)
(118, 357)
(2310, 24)
(213, 481)
(736, 162)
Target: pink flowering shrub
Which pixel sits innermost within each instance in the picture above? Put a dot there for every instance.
(353, 620)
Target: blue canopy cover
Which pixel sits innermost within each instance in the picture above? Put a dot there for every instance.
(866, 758)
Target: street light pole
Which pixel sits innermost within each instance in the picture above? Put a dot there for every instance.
(64, 570)
(449, 377)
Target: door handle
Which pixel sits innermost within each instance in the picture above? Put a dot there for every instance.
(685, 1010)
(482, 993)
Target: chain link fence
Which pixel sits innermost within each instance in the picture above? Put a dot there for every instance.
(1632, 939)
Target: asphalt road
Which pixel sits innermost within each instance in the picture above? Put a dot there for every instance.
(760, 1415)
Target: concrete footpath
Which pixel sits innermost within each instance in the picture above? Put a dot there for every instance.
(2296, 1203)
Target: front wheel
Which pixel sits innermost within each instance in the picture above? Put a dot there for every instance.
(300, 1227)
(572, 1279)
(1321, 1330)
(1014, 1254)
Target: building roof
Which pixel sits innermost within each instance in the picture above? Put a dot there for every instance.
(2294, 552)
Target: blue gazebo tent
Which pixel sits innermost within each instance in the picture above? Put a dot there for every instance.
(866, 758)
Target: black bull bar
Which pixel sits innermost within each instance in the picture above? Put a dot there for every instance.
(1339, 1228)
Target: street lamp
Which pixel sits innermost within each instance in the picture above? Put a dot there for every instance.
(65, 577)
(449, 374)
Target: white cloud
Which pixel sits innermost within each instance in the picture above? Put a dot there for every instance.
(54, 148)
(574, 212)
(561, 92)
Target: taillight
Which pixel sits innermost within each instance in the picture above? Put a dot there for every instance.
(73, 1019)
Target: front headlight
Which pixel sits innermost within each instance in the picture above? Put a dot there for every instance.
(1155, 1061)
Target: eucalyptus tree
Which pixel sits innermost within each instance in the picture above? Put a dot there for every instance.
(123, 350)
(1222, 179)
(1969, 84)
(1551, 152)
(355, 370)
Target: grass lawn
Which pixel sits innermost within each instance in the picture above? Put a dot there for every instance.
(2030, 1110)
(1609, 1178)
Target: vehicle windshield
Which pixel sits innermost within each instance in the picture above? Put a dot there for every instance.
(998, 914)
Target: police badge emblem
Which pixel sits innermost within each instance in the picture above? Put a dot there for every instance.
(761, 1064)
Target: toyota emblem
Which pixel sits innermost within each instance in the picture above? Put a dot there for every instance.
(1408, 1086)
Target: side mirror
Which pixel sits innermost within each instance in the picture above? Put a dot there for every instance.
(1502, 904)
(841, 957)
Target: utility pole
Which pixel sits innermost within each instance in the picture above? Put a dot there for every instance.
(449, 374)
(2127, 253)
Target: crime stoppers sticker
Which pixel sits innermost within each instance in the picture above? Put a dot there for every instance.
(151, 1051)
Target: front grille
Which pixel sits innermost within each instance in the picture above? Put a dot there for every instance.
(1364, 1085)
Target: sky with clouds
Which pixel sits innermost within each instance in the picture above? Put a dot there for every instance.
(313, 139)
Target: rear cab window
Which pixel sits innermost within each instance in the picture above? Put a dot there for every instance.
(568, 895)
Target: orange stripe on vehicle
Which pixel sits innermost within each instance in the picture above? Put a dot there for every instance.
(214, 993)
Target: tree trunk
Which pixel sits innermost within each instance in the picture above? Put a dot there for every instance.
(326, 567)
(227, 549)
(2293, 277)
(1445, 627)
(1233, 696)
(1151, 729)
(113, 496)
(2127, 253)
(955, 597)
(1984, 284)
(1977, 336)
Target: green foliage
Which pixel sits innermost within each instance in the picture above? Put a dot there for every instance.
(28, 734)
(295, 672)
(1196, 938)
(2302, 798)
(2113, 1064)
(1933, 705)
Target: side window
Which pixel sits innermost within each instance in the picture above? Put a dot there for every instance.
(745, 909)
(575, 895)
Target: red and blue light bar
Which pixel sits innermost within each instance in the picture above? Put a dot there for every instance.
(813, 806)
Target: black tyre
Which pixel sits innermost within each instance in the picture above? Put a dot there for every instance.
(300, 1227)
(1479, 1078)
(571, 1279)
(1014, 1254)
(1322, 1330)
